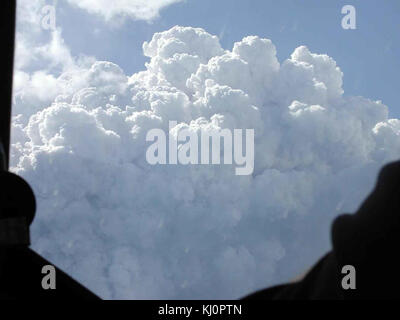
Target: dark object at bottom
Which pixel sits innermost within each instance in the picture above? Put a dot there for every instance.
(368, 240)
(21, 278)
(21, 268)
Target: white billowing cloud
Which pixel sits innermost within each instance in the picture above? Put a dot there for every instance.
(41, 54)
(39, 47)
(134, 9)
(127, 229)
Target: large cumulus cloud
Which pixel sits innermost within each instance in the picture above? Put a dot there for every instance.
(127, 229)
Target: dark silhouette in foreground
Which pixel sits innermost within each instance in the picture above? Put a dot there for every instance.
(368, 240)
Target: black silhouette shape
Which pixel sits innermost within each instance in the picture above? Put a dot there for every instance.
(369, 240)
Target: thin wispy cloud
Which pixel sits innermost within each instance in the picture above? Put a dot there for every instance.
(116, 9)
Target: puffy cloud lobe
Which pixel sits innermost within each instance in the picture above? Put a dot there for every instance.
(177, 53)
(127, 229)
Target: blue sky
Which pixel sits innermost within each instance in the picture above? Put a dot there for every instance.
(368, 56)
